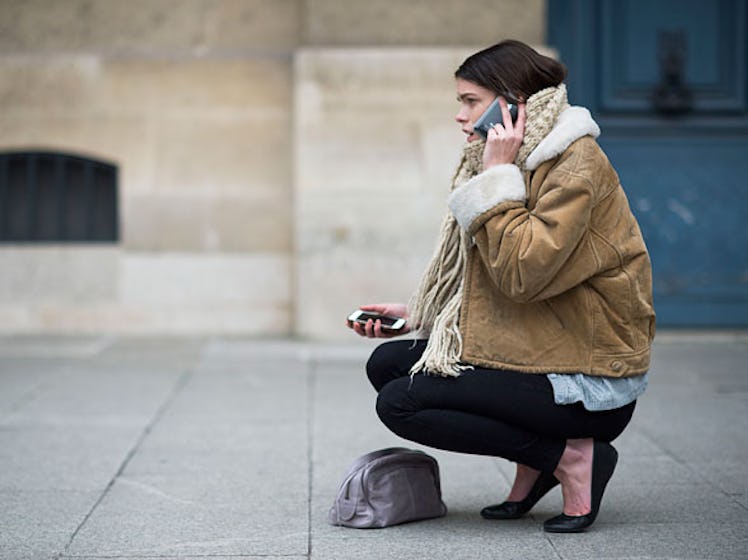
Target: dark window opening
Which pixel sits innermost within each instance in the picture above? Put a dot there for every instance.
(52, 197)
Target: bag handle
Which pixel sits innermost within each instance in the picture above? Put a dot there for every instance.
(364, 459)
(417, 457)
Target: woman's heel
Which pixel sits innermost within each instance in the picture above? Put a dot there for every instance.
(514, 510)
(604, 461)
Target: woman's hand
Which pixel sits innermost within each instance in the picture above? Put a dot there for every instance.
(373, 329)
(504, 140)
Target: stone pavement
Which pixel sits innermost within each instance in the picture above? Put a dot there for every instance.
(230, 448)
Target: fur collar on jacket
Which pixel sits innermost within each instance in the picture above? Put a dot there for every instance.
(572, 124)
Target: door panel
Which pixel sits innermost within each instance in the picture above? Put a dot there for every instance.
(685, 206)
(666, 81)
(712, 54)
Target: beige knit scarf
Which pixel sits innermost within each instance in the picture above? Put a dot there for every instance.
(435, 306)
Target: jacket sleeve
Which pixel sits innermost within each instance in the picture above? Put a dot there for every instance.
(530, 254)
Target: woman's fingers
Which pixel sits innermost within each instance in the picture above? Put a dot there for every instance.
(508, 129)
(371, 328)
(509, 133)
(521, 117)
(496, 132)
(506, 116)
(366, 329)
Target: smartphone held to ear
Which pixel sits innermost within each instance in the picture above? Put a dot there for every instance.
(388, 323)
(492, 116)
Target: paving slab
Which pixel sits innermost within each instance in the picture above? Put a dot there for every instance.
(38, 524)
(702, 541)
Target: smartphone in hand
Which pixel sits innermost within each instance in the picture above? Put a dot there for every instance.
(492, 116)
(388, 322)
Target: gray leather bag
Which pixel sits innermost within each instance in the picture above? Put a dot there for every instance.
(388, 487)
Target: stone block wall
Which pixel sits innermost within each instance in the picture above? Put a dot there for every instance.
(277, 158)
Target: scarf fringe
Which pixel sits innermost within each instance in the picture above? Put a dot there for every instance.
(444, 349)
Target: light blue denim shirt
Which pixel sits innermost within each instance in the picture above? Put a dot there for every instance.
(597, 393)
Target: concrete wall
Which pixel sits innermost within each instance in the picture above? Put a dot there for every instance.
(277, 158)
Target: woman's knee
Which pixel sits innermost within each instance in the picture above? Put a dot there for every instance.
(393, 405)
(387, 362)
(377, 367)
(616, 422)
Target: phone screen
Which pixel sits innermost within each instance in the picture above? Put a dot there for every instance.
(386, 321)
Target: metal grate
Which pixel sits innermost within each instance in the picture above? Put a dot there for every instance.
(53, 197)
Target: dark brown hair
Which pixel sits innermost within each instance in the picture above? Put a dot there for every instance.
(512, 69)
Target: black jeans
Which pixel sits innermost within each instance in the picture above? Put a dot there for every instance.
(484, 411)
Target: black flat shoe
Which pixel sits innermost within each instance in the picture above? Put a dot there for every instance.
(514, 510)
(604, 461)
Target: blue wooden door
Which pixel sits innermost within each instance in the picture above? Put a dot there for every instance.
(666, 81)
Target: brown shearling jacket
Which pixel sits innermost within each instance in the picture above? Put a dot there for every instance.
(558, 278)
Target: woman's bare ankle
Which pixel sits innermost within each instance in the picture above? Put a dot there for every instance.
(524, 480)
(574, 471)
